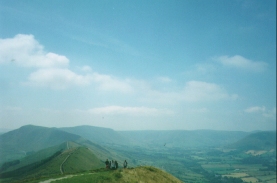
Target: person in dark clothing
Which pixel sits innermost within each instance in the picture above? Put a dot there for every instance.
(125, 164)
(107, 164)
(116, 164)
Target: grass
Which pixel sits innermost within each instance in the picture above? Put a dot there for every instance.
(80, 160)
(131, 175)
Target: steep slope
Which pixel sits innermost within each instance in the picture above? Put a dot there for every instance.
(29, 139)
(98, 134)
(18, 143)
(71, 160)
(34, 157)
(184, 138)
(257, 141)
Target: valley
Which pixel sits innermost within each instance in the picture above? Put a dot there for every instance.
(36, 154)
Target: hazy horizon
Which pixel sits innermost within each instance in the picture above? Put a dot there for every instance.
(139, 65)
(4, 130)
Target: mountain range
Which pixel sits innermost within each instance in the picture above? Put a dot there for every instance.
(35, 150)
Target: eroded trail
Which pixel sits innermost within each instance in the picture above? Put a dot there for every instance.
(61, 166)
(51, 180)
(65, 177)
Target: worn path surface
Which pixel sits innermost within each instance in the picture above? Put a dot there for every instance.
(65, 177)
(61, 166)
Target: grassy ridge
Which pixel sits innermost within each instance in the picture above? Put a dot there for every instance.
(82, 159)
(27, 139)
(72, 160)
(132, 175)
(38, 156)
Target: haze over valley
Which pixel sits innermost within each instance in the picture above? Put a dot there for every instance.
(184, 91)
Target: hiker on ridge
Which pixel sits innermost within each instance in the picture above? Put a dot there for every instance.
(113, 165)
(125, 164)
(107, 164)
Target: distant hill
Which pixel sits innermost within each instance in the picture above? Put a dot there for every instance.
(29, 139)
(265, 140)
(98, 134)
(149, 138)
(184, 138)
(71, 160)
(18, 143)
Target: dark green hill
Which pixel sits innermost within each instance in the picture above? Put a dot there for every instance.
(184, 138)
(98, 134)
(27, 139)
(71, 160)
(35, 157)
(257, 141)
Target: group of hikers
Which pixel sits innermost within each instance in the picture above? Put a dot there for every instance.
(113, 165)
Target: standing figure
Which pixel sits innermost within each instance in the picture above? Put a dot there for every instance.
(113, 165)
(125, 164)
(107, 164)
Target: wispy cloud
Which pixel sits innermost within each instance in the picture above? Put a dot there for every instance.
(52, 69)
(137, 111)
(56, 78)
(255, 109)
(193, 91)
(204, 91)
(267, 113)
(240, 62)
(24, 50)
(110, 83)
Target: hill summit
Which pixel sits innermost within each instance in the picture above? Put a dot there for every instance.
(130, 175)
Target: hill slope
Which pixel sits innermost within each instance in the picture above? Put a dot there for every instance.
(184, 138)
(71, 160)
(132, 175)
(98, 134)
(18, 143)
(257, 141)
(29, 139)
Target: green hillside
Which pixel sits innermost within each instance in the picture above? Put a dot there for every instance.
(35, 157)
(72, 160)
(18, 143)
(257, 141)
(131, 175)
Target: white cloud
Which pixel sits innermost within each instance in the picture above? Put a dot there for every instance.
(263, 111)
(193, 91)
(255, 109)
(56, 78)
(129, 110)
(238, 61)
(109, 83)
(62, 78)
(24, 50)
(203, 91)
(86, 68)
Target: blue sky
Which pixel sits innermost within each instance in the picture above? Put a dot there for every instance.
(138, 65)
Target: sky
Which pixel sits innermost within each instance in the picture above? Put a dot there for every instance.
(138, 65)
